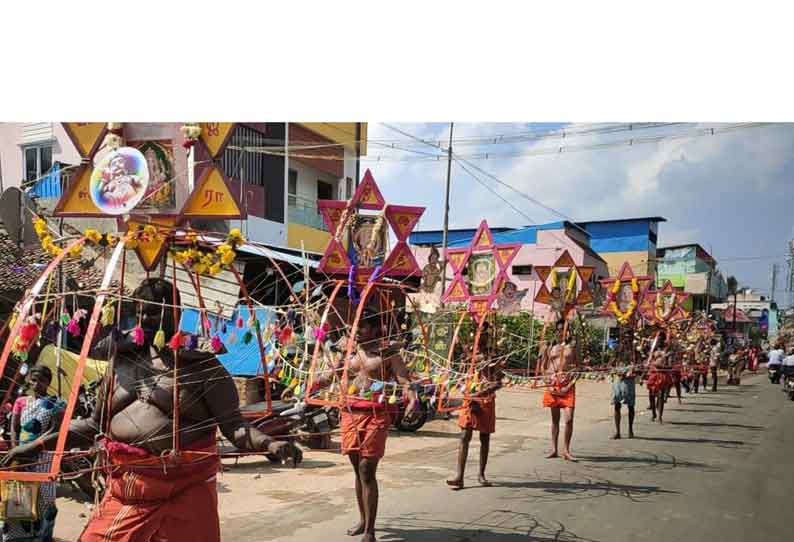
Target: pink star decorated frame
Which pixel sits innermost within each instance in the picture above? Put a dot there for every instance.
(487, 264)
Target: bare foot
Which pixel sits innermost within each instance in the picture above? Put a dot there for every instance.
(660, 420)
(568, 457)
(369, 537)
(653, 418)
(456, 483)
(631, 434)
(483, 481)
(356, 530)
(616, 436)
(552, 455)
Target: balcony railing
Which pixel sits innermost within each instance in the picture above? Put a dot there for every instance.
(304, 211)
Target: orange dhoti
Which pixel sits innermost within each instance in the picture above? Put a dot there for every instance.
(150, 499)
(479, 414)
(658, 381)
(550, 400)
(364, 431)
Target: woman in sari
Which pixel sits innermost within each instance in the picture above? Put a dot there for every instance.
(34, 415)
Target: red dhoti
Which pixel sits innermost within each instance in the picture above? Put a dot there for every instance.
(552, 400)
(364, 430)
(479, 414)
(658, 381)
(150, 499)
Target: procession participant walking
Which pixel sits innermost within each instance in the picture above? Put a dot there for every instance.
(155, 494)
(624, 392)
(479, 412)
(659, 379)
(561, 393)
(715, 355)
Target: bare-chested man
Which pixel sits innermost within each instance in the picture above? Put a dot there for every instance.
(479, 411)
(154, 494)
(365, 421)
(659, 379)
(560, 394)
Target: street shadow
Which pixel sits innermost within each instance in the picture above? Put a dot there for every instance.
(719, 405)
(708, 410)
(494, 526)
(715, 424)
(682, 440)
(559, 490)
(423, 433)
(261, 467)
(652, 462)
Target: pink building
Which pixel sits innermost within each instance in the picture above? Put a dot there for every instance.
(541, 245)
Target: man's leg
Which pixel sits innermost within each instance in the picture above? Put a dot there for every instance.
(652, 399)
(566, 452)
(368, 468)
(660, 401)
(631, 421)
(485, 445)
(678, 390)
(617, 420)
(713, 379)
(358, 528)
(555, 430)
(696, 383)
(463, 454)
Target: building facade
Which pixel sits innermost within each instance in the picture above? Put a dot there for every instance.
(278, 171)
(690, 268)
(540, 245)
(630, 240)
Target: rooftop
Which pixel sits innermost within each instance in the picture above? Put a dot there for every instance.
(637, 219)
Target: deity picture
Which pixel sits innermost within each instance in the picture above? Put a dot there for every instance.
(510, 298)
(624, 297)
(367, 247)
(160, 196)
(431, 273)
(482, 273)
(119, 181)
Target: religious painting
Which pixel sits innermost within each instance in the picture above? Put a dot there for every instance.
(625, 296)
(431, 273)
(510, 298)
(481, 274)
(160, 195)
(367, 242)
(119, 181)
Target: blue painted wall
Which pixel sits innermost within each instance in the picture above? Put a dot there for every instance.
(619, 236)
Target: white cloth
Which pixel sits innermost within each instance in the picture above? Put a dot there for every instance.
(788, 361)
(715, 356)
(775, 357)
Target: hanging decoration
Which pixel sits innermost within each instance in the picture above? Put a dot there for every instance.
(191, 132)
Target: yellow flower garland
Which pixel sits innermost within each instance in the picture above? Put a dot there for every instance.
(623, 317)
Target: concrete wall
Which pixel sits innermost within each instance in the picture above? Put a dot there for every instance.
(313, 240)
(15, 135)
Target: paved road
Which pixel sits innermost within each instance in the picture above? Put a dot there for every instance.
(720, 469)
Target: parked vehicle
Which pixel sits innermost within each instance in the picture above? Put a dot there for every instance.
(788, 381)
(774, 374)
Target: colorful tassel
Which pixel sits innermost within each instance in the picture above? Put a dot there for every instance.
(65, 318)
(232, 338)
(159, 339)
(192, 342)
(137, 335)
(73, 328)
(216, 343)
(285, 335)
(108, 315)
(240, 322)
(321, 332)
(175, 343)
(29, 332)
(247, 337)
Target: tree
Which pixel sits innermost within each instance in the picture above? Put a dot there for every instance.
(733, 289)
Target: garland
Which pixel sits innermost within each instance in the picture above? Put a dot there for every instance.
(209, 263)
(623, 317)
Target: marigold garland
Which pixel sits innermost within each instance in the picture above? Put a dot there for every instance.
(623, 317)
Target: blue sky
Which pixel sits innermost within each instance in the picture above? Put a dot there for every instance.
(731, 192)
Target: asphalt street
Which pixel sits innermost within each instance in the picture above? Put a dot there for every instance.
(719, 469)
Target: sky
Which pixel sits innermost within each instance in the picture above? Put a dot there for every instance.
(732, 192)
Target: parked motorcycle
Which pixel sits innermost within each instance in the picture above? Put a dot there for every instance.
(788, 381)
(774, 374)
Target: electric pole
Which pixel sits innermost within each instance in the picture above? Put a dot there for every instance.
(773, 283)
(444, 240)
(790, 278)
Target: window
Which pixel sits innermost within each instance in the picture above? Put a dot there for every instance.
(324, 190)
(38, 160)
(348, 188)
(292, 187)
(522, 270)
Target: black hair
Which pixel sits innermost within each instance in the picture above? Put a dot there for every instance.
(155, 292)
(42, 372)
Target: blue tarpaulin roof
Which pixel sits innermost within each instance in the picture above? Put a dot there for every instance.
(241, 359)
(48, 186)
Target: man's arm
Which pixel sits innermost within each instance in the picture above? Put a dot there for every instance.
(401, 374)
(220, 395)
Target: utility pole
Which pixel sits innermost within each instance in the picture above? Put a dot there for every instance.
(773, 283)
(444, 240)
(790, 275)
(708, 291)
